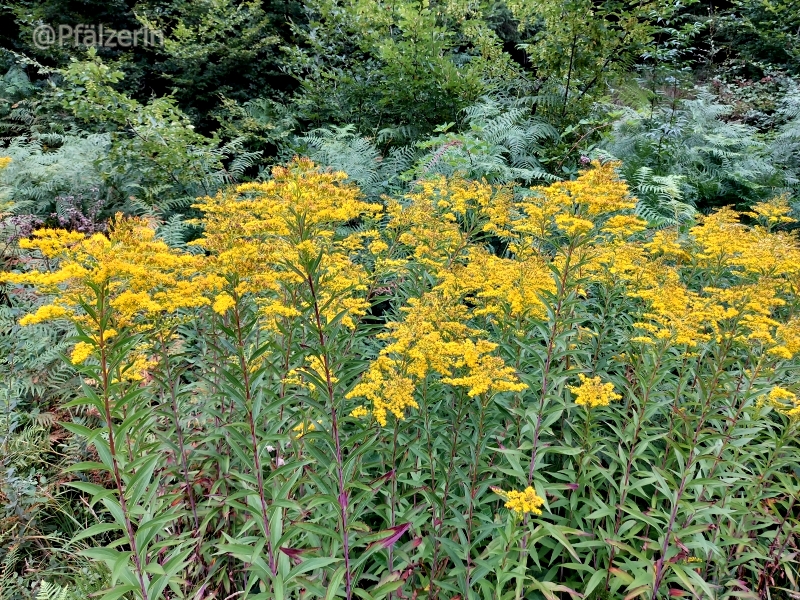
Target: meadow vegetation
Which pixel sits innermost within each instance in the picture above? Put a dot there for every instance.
(436, 300)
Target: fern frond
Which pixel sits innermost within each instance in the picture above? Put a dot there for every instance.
(51, 591)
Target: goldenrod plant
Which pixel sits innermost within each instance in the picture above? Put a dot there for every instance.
(467, 392)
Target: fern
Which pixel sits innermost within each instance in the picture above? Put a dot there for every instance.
(341, 148)
(660, 198)
(502, 144)
(785, 146)
(241, 160)
(8, 569)
(706, 159)
(51, 591)
(17, 105)
(48, 166)
(177, 232)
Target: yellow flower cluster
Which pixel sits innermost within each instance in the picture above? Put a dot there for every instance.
(666, 243)
(758, 268)
(389, 390)
(138, 366)
(623, 226)
(483, 372)
(677, 314)
(4, 161)
(785, 402)
(499, 286)
(140, 278)
(428, 240)
(81, 352)
(433, 338)
(573, 226)
(141, 273)
(458, 199)
(222, 303)
(303, 428)
(722, 243)
(439, 220)
(573, 206)
(593, 392)
(48, 312)
(260, 236)
(301, 376)
(524, 502)
(599, 189)
(772, 212)
(360, 412)
(281, 245)
(787, 337)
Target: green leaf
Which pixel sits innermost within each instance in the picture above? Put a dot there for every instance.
(336, 581)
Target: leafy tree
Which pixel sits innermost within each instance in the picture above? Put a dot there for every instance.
(218, 48)
(763, 31)
(579, 46)
(156, 156)
(397, 67)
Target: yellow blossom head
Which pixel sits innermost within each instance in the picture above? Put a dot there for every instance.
(524, 502)
(222, 303)
(360, 412)
(303, 428)
(593, 392)
(81, 352)
(773, 212)
(785, 402)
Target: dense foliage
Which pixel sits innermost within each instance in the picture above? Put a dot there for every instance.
(409, 299)
(603, 407)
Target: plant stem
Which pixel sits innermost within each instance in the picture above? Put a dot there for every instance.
(102, 343)
(251, 418)
(343, 502)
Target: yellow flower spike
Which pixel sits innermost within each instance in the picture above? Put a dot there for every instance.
(222, 303)
(503, 494)
(499, 286)
(785, 402)
(387, 389)
(360, 412)
(486, 374)
(52, 242)
(667, 243)
(378, 247)
(261, 233)
(139, 367)
(48, 312)
(141, 275)
(524, 502)
(303, 428)
(432, 339)
(81, 352)
(573, 226)
(624, 225)
(788, 339)
(773, 212)
(294, 377)
(593, 392)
